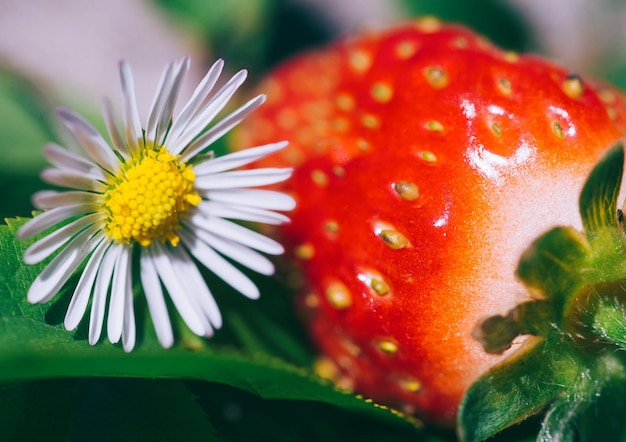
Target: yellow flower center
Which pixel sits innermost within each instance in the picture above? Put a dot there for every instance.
(145, 201)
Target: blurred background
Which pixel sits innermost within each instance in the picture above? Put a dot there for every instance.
(66, 52)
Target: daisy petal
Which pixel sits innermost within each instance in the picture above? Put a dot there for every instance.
(266, 199)
(243, 178)
(58, 271)
(253, 214)
(189, 111)
(156, 302)
(168, 106)
(72, 180)
(101, 292)
(239, 253)
(215, 105)
(121, 273)
(131, 115)
(114, 130)
(69, 161)
(243, 235)
(186, 307)
(90, 139)
(129, 329)
(193, 281)
(52, 217)
(222, 268)
(217, 131)
(163, 104)
(237, 159)
(49, 244)
(82, 293)
(49, 199)
(165, 82)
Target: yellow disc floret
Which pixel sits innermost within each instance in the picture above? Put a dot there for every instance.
(144, 202)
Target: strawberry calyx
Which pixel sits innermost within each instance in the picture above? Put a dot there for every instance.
(569, 363)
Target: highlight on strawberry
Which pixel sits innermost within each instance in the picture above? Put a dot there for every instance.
(427, 162)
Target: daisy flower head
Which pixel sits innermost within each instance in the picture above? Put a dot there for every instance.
(153, 202)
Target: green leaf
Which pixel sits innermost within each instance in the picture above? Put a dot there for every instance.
(102, 410)
(598, 199)
(508, 393)
(34, 346)
(49, 402)
(553, 264)
(604, 420)
(559, 423)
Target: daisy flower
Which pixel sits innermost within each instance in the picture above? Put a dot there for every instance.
(153, 202)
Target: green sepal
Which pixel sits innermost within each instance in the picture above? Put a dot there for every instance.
(559, 423)
(551, 267)
(597, 315)
(510, 392)
(604, 420)
(598, 199)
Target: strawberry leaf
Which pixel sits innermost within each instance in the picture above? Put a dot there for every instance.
(552, 264)
(560, 422)
(508, 393)
(598, 199)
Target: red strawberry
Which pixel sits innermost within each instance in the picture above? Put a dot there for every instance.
(427, 161)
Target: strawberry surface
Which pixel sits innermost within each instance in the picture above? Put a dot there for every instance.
(427, 160)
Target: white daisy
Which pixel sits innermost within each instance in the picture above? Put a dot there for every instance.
(151, 197)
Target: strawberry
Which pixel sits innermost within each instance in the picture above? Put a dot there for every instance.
(427, 160)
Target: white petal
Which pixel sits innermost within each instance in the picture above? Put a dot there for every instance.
(82, 293)
(52, 217)
(58, 271)
(237, 159)
(131, 115)
(225, 125)
(129, 330)
(156, 302)
(265, 199)
(165, 82)
(253, 214)
(218, 265)
(189, 111)
(90, 139)
(235, 232)
(49, 199)
(101, 291)
(243, 178)
(72, 162)
(200, 121)
(168, 108)
(188, 309)
(121, 273)
(72, 180)
(114, 130)
(49, 244)
(194, 283)
(164, 100)
(237, 252)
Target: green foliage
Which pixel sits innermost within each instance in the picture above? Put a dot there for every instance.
(598, 199)
(142, 395)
